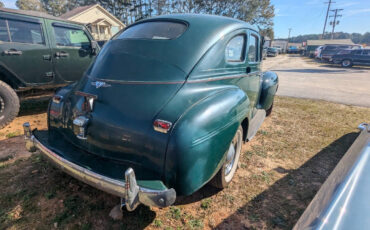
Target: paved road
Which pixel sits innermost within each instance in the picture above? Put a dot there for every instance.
(304, 78)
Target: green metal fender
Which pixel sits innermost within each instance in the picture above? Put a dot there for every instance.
(200, 138)
(269, 86)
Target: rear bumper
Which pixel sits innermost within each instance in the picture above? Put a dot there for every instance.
(132, 194)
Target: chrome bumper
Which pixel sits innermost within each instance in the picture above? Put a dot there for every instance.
(132, 194)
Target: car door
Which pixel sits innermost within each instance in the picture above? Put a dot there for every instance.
(253, 67)
(25, 51)
(72, 51)
(356, 56)
(365, 57)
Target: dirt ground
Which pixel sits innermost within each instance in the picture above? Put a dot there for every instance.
(280, 171)
(306, 78)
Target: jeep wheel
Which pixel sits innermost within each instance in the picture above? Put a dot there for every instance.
(223, 178)
(347, 63)
(9, 104)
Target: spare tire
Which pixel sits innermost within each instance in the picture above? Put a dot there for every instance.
(9, 104)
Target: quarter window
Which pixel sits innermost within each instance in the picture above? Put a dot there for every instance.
(234, 49)
(71, 37)
(21, 31)
(253, 49)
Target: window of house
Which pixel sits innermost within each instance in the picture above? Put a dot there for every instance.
(234, 49)
(157, 30)
(253, 49)
(70, 37)
(23, 32)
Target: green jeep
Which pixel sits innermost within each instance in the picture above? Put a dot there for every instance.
(39, 53)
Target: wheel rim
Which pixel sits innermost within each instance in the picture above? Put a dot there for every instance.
(233, 156)
(2, 105)
(346, 63)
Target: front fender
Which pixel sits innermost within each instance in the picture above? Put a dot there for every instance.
(270, 83)
(200, 138)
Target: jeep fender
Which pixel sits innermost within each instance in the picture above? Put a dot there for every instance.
(201, 137)
(269, 86)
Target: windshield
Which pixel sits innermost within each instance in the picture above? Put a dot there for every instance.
(156, 30)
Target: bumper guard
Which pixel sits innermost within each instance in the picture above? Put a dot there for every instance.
(131, 194)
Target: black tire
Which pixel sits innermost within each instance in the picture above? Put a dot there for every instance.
(346, 63)
(269, 111)
(225, 175)
(9, 104)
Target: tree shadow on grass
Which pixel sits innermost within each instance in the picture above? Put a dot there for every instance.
(281, 205)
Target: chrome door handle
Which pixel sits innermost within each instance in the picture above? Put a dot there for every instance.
(12, 52)
(61, 54)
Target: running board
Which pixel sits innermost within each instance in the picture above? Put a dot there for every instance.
(255, 123)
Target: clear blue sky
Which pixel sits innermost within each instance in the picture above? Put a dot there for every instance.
(307, 16)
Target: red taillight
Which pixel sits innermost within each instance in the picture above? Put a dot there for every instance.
(57, 99)
(162, 126)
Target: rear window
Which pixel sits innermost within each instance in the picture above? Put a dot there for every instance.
(160, 30)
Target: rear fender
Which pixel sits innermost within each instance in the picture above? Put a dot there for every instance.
(269, 86)
(200, 138)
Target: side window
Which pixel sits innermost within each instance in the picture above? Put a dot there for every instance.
(4, 36)
(253, 49)
(234, 51)
(25, 32)
(71, 37)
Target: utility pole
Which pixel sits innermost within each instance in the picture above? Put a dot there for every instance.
(326, 18)
(290, 29)
(335, 22)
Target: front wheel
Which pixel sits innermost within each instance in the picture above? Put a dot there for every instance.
(347, 63)
(223, 178)
(9, 104)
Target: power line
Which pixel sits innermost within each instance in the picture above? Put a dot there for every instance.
(335, 21)
(326, 18)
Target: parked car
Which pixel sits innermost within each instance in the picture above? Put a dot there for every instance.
(272, 52)
(328, 51)
(293, 50)
(343, 200)
(148, 124)
(318, 52)
(39, 53)
(279, 49)
(348, 58)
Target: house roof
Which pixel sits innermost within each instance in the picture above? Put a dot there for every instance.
(79, 10)
(329, 42)
(76, 11)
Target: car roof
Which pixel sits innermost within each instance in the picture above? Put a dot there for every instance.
(202, 32)
(36, 14)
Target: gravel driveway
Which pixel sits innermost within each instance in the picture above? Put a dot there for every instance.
(305, 78)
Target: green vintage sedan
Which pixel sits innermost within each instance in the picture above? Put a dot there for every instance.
(163, 110)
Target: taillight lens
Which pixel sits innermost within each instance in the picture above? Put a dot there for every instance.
(162, 126)
(57, 99)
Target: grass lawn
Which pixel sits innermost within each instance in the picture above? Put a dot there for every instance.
(280, 171)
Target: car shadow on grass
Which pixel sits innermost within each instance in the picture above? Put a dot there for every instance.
(33, 107)
(281, 205)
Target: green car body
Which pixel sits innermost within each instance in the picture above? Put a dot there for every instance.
(185, 81)
(37, 56)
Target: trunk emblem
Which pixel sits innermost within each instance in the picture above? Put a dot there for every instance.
(99, 84)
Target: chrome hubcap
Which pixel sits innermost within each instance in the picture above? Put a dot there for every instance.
(2, 105)
(346, 63)
(232, 152)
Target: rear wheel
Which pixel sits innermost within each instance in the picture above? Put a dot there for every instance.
(347, 63)
(223, 178)
(9, 104)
